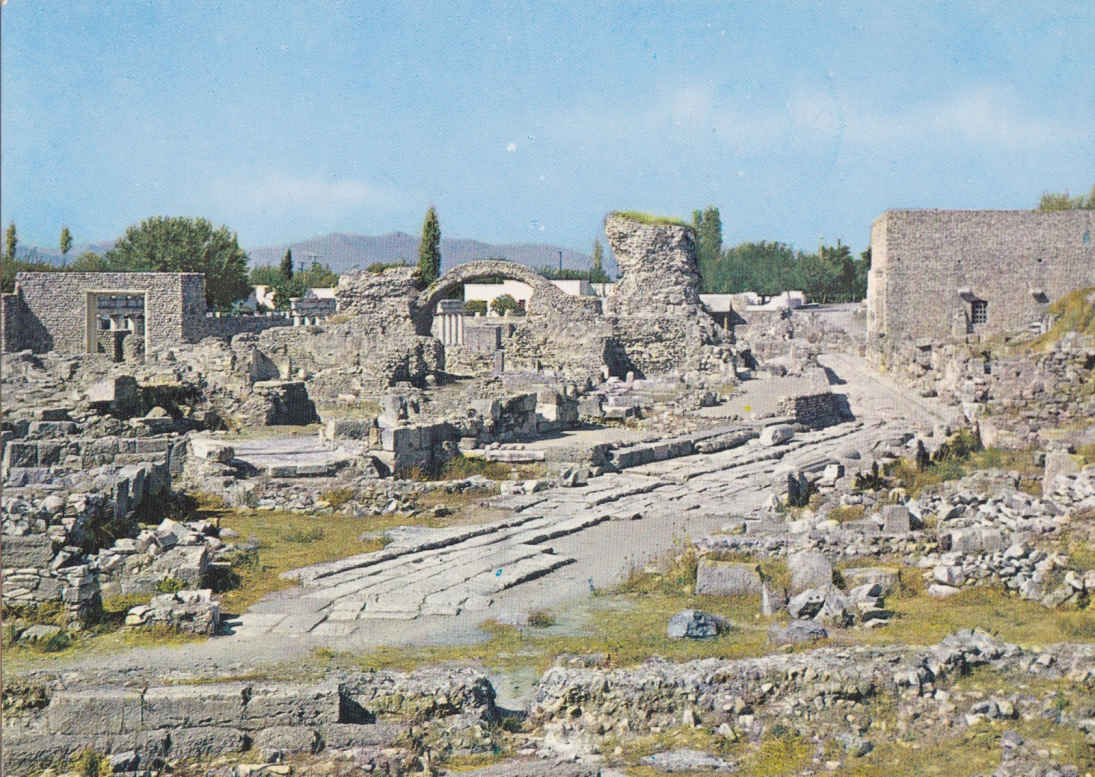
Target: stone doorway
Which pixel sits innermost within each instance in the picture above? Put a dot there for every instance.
(112, 315)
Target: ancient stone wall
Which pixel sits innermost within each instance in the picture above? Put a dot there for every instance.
(13, 317)
(55, 313)
(226, 327)
(658, 322)
(562, 333)
(154, 723)
(935, 273)
(813, 410)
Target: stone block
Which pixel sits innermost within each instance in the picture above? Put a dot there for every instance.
(964, 540)
(32, 550)
(20, 454)
(288, 740)
(194, 706)
(185, 563)
(1057, 463)
(94, 711)
(725, 578)
(809, 569)
(292, 705)
(695, 624)
(211, 450)
(895, 519)
(203, 741)
(886, 578)
(120, 391)
(776, 434)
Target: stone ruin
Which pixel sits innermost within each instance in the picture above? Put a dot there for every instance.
(90, 445)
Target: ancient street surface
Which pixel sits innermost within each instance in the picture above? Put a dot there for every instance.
(558, 545)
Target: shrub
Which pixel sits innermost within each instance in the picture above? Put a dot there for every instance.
(540, 619)
(169, 585)
(303, 535)
(379, 267)
(475, 306)
(506, 303)
(338, 497)
(88, 763)
(56, 642)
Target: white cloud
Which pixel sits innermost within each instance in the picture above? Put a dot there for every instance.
(989, 117)
(511, 147)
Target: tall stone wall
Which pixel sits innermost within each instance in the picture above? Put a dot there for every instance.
(931, 267)
(657, 320)
(55, 307)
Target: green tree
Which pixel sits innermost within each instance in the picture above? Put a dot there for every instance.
(505, 302)
(1062, 201)
(89, 261)
(597, 273)
(265, 275)
(862, 270)
(473, 306)
(66, 241)
(429, 249)
(287, 265)
(318, 276)
(10, 241)
(179, 244)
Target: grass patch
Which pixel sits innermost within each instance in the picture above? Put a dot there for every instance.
(627, 628)
(650, 218)
(291, 540)
(846, 513)
(962, 456)
(460, 467)
(105, 636)
(1075, 314)
(337, 498)
(303, 536)
(780, 755)
(921, 619)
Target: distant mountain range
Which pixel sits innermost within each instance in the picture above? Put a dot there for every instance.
(344, 252)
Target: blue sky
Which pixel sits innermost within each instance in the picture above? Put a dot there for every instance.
(530, 121)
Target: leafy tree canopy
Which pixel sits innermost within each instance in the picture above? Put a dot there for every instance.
(179, 244)
(1062, 201)
(505, 302)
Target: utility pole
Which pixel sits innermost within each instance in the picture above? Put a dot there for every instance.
(560, 262)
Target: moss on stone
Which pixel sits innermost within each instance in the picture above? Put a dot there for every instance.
(649, 218)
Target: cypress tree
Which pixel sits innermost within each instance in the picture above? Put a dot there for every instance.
(287, 265)
(429, 249)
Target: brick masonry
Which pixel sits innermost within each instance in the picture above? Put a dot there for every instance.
(930, 268)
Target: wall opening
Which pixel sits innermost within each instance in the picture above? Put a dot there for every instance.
(979, 312)
(113, 315)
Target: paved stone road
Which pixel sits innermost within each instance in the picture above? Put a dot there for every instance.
(469, 569)
(574, 539)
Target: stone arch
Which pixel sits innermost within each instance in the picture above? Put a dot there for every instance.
(544, 292)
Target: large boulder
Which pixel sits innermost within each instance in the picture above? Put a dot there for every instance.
(696, 624)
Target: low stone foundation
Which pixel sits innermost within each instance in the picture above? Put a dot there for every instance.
(448, 709)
